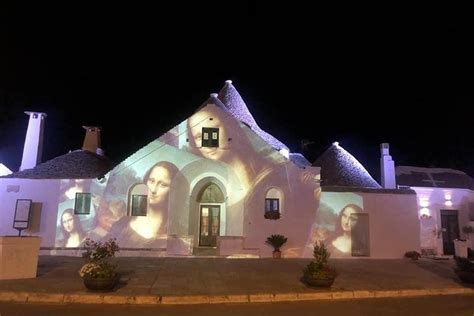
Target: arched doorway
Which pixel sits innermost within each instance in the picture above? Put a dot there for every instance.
(210, 201)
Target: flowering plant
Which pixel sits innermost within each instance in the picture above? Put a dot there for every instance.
(95, 270)
(97, 254)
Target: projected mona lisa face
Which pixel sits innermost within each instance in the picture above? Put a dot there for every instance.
(345, 221)
(346, 218)
(158, 180)
(71, 229)
(341, 242)
(67, 221)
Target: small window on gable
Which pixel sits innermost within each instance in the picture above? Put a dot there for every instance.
(82, 205)
(139, 205)
(138, 200)
(273, 204)
(210, 137)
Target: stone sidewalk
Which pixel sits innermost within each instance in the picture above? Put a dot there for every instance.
(218, 280)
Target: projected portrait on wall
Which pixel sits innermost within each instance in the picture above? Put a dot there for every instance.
(78, 204)
(207, 138)
(249, 156)
(342, 224)
(107, 215)
(341, 241)
(146, 225)
(71, 231)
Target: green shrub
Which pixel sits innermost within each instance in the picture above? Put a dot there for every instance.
(319, 267)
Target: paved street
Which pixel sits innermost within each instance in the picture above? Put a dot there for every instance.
(462, 305)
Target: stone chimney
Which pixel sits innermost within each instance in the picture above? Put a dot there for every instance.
(387, 168)
(33, 147)
(92, 140)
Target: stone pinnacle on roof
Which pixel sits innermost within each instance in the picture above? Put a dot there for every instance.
(213, 99)
(340, 168)
(235, 105)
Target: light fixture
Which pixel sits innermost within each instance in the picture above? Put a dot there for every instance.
(424, 203)
(447, 198)
(425, 213)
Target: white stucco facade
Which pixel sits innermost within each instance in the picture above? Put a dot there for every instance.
(432, 203)
(214, 182)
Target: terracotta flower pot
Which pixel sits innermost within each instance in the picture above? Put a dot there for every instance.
(277, 254)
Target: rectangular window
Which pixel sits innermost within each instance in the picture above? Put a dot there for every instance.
(272, 205)
(272, 209)
(212, 141)
(82, 206)
(139, 205)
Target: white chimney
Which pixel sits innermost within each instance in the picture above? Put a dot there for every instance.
(92, 140)
(34, 141)
(387, 168)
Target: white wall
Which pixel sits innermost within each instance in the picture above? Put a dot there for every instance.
(394, 224)
(43, 193)
(430, 203)
(245, 168)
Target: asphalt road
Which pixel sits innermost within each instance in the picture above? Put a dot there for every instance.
(451, 305)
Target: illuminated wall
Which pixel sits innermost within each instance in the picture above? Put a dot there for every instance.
(430, 203)
(243, 168)
(194, 195)
(372, 223)
(341, 218)
(43, 193)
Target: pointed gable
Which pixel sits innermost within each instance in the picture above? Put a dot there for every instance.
(233, 103)
(340, 168)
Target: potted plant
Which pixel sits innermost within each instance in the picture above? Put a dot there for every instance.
(272, 215)
(413, 255)
(319, 273)
(464, 269)
(276, 241)
(98, 273)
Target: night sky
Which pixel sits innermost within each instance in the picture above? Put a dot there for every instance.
(305, 73)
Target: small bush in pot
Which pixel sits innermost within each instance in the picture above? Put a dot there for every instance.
(276, 241)
(319, 273)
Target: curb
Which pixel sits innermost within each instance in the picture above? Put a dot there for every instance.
(36, 297)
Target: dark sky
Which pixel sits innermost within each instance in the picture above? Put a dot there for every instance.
(312, 73)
